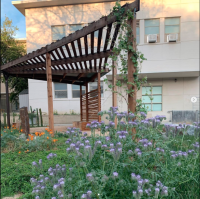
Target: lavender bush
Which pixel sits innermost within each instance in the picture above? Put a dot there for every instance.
(159, 161)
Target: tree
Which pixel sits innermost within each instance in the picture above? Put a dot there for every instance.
(11, 49)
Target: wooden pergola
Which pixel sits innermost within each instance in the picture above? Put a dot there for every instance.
(78, 59)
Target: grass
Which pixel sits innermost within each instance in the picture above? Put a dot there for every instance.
(16, 169)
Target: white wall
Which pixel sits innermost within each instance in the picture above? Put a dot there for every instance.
(175, 57)
(182, 56)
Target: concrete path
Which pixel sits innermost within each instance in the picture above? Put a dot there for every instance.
(56, 128)
(14, 197)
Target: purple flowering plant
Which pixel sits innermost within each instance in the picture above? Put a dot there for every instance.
(121, 164)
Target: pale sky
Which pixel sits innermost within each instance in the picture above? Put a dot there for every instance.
(13, 14)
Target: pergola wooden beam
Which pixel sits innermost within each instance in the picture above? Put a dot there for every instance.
(79, 76)
(103, 22)
(64, 61)
(59, 72)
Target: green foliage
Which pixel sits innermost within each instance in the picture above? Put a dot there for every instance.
(55, 112)
(14, 114)
(4, 120)
(16, 169)
(11, 49)
(13, 140)
(41, 119)
(38, 123)
(31, 116)
(72, 112)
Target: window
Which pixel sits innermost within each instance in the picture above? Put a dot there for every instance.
(172, 26)
(58, 32)
(75, 27)
(60, 90)
(76, 91)
(93, 86)
(152, 98)
(138, 32)
(152, 26)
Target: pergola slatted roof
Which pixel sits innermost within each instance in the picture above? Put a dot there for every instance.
(75, 59)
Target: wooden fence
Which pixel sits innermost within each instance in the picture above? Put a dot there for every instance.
(90, 106)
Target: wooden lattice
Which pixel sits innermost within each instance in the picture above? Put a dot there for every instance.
(90, 106)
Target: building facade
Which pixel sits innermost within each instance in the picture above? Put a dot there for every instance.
(172, 68)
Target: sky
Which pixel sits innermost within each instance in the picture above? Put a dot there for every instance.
(15, 15)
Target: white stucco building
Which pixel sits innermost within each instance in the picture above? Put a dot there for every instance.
(172, 68)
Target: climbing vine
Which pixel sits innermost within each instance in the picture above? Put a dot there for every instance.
(123, 46)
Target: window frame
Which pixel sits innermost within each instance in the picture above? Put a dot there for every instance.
(54, 90)
(52, 32)
(158, 35)
(89, 88)
(152, 95)
(165, 34)
(77, 89)
(138, 26)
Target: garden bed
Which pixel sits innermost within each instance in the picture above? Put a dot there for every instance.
(109, 163)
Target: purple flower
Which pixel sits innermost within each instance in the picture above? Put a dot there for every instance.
(56, 186)
(140, 192)
(111, 145)
(134, 193)
(89, 176)
(140, 182)
(84, 196)
(34, 164)
(87, 141)
(133, 176)
(40, 161)
(138, 177)
(143, 114)
(89, 193)
(137, 150)
(104, 146)
(115, 174)
(112, 151)
(139, 154)
(130, 152)
(107, 138)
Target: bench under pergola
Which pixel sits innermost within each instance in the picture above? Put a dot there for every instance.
(72, 60)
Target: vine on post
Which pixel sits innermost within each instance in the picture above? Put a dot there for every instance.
(122, 48)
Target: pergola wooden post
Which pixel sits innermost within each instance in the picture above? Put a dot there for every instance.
(86, 90)
(114, 94)
(81, 103)
(49, 90)
(7, 99)
(99, 94)
(131, 68)
(114, 77)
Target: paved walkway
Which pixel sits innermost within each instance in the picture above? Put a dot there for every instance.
(60, 128)
(14, 197)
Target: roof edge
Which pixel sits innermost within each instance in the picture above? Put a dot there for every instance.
(27, 4)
